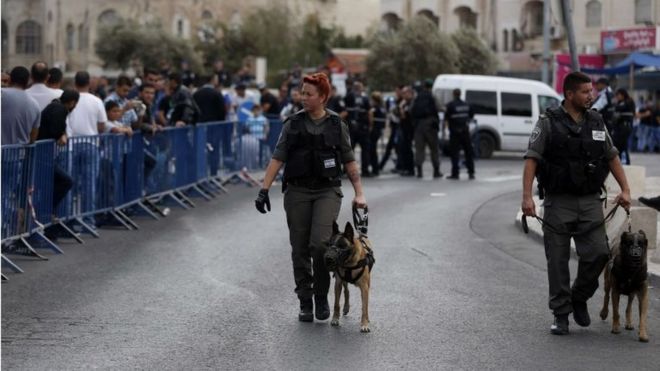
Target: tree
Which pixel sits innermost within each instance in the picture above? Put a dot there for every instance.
(129, 44)
(474, 56)
(417, 51)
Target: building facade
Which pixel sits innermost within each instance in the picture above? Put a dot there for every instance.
(514, 28)
(63, 32)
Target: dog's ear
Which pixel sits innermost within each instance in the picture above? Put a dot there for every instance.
(335, 227)
(348, 232)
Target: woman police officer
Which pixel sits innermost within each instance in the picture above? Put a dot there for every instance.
(314, 143)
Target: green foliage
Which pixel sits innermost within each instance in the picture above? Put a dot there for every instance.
(475, 57)
(128, 44)
(417, 51)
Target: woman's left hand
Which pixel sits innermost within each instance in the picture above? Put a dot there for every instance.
(360, 202)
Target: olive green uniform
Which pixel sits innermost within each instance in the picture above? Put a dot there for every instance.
(310, 212)
(571, 216)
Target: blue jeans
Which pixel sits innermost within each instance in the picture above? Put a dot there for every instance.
(644, 137)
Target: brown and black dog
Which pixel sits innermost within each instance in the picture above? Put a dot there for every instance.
(350, 257)
(627, 275)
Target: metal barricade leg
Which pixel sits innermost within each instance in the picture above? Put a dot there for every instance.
(70, 232)
(31, 249)
(126, 218)
(49, 244)
(87, 228)
(6, 261)
(146, 209)
(178, 201)
(121, 221)
(185, 198)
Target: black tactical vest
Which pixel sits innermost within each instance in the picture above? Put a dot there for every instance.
(313, 160)
(574, 160)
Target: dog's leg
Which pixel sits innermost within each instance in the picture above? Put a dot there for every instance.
(347, 304)
(335, 313)
(629, 325)
(615, 310)
(364, 289)
(643, 301)
(606, 300)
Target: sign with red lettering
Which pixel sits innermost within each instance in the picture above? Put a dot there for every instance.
(563, 67)
(629, 40)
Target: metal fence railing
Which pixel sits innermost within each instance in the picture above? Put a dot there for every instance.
(112, 174)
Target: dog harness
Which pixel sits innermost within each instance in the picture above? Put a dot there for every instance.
(367, 261)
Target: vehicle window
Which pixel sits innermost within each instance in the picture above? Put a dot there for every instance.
(442, 97)
(515, 104)
(546, 102)
(482, 102)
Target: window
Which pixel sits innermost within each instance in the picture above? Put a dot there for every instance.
(83, 37)
(70, 35)
(594, 11)
(207, 15)
(179, 27)
(482, 102)
(5, 37)
(109, 18)
(643, 11)
(505, 40)
(28, 38)
(546, 102)
(532, 19)
(466, 17)
(515, 104)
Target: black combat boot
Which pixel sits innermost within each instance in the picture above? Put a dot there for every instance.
(560, 326)
(581, 313)
(306, 310)
(322, 307)
(436, 173)
(419, 172)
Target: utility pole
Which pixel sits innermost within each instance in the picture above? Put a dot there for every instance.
(545, 72)
(568, 23)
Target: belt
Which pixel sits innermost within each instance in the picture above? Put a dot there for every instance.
(315, 183)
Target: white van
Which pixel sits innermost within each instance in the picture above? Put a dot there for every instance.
(506, 109)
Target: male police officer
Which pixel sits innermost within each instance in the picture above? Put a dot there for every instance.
(458, 116)
(427, 125)
(571, 152)
(604, 103)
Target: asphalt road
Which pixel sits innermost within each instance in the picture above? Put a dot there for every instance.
(455, 286)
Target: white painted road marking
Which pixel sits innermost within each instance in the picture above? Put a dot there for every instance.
(501, 178)
(438, 194)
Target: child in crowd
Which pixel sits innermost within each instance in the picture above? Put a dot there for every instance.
(114, 125)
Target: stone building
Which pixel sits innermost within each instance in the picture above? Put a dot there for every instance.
(63, 32)
(514, 28)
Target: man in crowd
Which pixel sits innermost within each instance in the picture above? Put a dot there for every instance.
(87, 118)
(21, 115)
(55, 77)
(407, 132)
(294, 105)
(39, 91)
(427, 125)
(183, 110)
(210, 101)
(53, 126)
(269, 104)
(336, 104)
(224, 79)
(129, 116)
(604, 103)
(457, 117)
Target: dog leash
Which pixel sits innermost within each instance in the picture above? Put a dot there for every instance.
(556, 230)
(361, 222)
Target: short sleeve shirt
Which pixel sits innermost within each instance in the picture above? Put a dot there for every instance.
(315, 128)
(20, 115)
(540, 139)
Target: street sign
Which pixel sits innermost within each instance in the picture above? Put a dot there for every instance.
(629, 40)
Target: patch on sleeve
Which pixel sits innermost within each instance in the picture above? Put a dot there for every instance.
(536, 133)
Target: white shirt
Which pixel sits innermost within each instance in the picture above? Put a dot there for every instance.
(601, 102)
(83, 120)
(114, 124)
(43, 94)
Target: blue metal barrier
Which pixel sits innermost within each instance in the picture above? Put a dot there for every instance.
(16, 163)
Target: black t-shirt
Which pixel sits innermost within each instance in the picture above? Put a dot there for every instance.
(53, 121)
(274, 104)
(649, 120)
(336, 104)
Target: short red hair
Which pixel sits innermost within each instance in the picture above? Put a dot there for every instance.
(321, 81)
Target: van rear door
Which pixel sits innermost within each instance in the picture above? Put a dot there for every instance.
(516, 119)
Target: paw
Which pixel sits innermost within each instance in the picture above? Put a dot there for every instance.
(334, 322)
(603, 314)
(365, 328)
(644, 338)
(630, 327)
(616, 330)
(346, 309)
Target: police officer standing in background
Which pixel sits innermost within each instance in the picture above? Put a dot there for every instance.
(571, 153)
(427, 126)
(314, 144)
(604, 104)
(357, 105)
(458, 116)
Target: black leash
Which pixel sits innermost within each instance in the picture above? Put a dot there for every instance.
(361, 222)
(556, 230)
